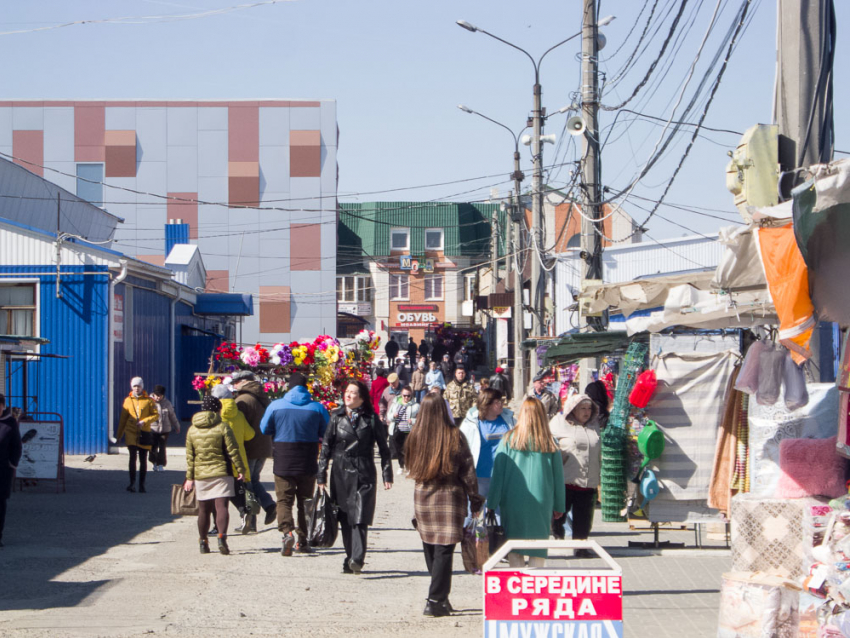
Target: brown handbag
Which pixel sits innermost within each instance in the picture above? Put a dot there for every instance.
(183, 503)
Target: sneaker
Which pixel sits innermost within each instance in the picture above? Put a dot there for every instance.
(288, 544)
(435, 609)
(355, 568)
(400, 471)
(213, 531)
(345, 568)
(584, 553)
(271, 515)
(222, 545)
(301, 547)
(244, 528)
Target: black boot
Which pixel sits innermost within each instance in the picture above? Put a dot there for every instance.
(222, 545)
(205, 546)
(142, 489)
(131, 487)
(436, 609)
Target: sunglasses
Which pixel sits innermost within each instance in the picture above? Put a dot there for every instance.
(407, 396)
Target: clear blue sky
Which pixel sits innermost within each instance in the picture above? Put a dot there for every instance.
(398, 69)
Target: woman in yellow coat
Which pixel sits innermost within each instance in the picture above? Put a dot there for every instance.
(137, 415)
(242, 432)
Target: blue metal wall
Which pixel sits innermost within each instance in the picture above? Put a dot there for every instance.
(175, 234)
(151, 356)
(77, 326)
(193, 352)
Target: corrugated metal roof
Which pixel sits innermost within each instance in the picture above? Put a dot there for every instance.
(364, 228)
(30, 199)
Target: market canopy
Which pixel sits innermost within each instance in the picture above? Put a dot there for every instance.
(580, 345)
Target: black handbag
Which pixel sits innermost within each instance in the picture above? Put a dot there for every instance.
(145, 437)
(495, 532)
(322, 525)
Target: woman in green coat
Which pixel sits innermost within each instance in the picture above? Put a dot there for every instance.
(211, 449)
(528, 482)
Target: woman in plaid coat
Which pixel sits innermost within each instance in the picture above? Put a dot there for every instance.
(438, 459)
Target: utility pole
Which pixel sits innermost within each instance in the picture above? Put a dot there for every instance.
(518, 215)
(591, 238)
(536, 252)
(803, 99)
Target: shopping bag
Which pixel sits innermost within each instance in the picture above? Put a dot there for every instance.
(474, 547)
(322, 523)
(495, 532)
(183, 503)
(252, 504)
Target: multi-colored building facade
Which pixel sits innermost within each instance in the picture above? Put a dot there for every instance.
(255, 180)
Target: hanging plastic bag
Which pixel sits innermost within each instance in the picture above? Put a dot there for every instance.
(644, 389)
(794, 378)
(322, 524)
(771, 362)
(474, 546)
(748, 377)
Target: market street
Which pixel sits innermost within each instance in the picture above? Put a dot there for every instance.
(99, 561)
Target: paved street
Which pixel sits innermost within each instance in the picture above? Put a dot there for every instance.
(99, 561)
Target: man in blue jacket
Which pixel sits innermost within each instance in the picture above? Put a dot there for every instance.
(296, 424)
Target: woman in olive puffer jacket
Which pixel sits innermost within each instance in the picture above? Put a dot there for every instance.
(210, 450)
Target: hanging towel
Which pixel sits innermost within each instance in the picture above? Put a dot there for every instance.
(748, 379)
(720, 486)
(771, 362)
(794, 378)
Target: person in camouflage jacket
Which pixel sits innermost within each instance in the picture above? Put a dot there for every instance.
(460, 394)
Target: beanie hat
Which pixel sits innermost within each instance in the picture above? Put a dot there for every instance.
(222, 391)
(159, 390)
(210, 404)
(296, 379)
(137, 381)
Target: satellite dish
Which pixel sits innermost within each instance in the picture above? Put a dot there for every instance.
(575, 125)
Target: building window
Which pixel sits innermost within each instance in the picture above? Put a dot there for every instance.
(90, 183)
(468, 287)
(433, 287)
(434, 239)
(400, 239)
(17, 309)
(352, 289)
(399, 288)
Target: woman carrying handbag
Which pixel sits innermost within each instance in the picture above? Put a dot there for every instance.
(350, 441)
(137, 416)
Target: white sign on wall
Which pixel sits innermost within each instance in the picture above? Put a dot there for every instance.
(501, 338)
(118, 318)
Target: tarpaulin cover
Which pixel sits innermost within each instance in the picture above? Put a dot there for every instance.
(688, 407)
(572, 347)
(822, 228)
(788, 281)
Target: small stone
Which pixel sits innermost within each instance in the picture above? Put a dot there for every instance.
(241, 615)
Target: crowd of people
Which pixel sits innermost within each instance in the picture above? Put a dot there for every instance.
(467, 452)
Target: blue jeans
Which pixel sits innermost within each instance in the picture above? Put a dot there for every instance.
(255, 466)
(420, 394)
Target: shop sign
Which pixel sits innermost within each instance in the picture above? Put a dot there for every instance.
(428, 266)
(501, 338)
(501, 312)
(414, 307)
(405, 262)
(405, 318)
(568, 603)
(358, 309)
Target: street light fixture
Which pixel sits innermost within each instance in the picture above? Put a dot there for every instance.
(537, 188)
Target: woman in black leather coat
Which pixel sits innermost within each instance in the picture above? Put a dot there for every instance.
(350, 440)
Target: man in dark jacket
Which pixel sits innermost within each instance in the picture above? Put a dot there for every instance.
(252, 402)
(296, 424)
(10, 456)
(411, 352)
(461, 358)
(391, 349)
(424, 349)
(447, 368)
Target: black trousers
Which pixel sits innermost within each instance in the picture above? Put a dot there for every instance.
(3, 503)
(143, 464)
(353, 538)
(582, 504)
(397, 446)
(438, 559)
(157, 454)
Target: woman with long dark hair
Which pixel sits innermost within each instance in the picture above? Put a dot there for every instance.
(439, 460)
(350, 440)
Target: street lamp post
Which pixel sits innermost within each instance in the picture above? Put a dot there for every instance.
(538, 116)
(518, 218)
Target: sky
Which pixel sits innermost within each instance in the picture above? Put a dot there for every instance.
(399, 69)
